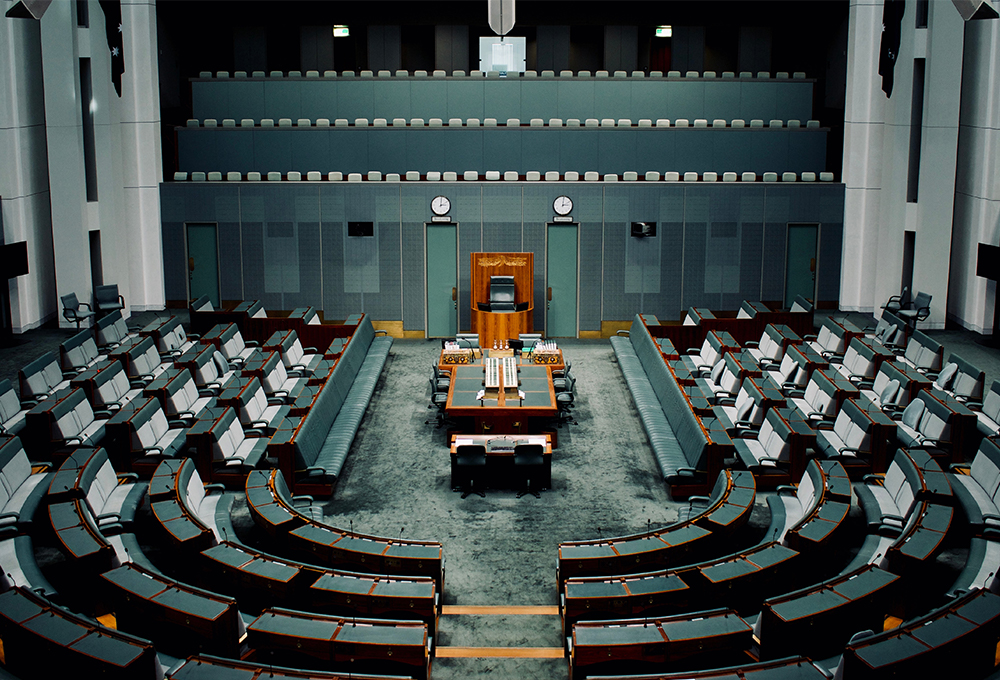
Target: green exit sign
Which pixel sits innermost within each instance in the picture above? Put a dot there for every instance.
(664, 31)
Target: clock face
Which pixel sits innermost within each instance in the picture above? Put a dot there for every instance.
(440, 205)
(562, 205)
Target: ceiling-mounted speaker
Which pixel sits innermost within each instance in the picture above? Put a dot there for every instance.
(977, 9)
(28, 9)
(501, 16)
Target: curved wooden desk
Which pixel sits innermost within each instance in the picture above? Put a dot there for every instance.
(501, 326)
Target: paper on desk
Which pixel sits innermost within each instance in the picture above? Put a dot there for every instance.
(480, 394)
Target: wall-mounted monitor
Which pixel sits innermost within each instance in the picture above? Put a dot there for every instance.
(14, 259)
(643, 229)
(988, 263)
(360, 228)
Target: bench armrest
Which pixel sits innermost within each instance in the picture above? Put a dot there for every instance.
(125, 477)
(896, 518)
(961, 468)
(848, 449)
(251, 343)
(623, 333)
(152, 449)
(771, 459)
(377, 331)
(875, 478)
(786, 489)
(74, 438)
(752, 343)
(724, 399)
(933, 443)
(698, 499)
(108, 515)
(824, 425)
(9, 515)
(253, 433)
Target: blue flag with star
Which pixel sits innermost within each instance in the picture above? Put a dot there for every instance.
(113, 29)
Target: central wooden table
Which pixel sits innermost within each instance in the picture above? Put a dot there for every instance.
(500, 456)
(501, 413)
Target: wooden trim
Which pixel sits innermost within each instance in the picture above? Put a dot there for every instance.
(592, 335)
(394, 328)
(609, 328)
(499, 610)
(500, 652)
(414, 335)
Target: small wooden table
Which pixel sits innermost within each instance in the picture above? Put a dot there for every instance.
(467, 357)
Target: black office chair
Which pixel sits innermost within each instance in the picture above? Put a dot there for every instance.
(107, 299)
(530, 462)
(898, 302)
(439, 399)
(919, 310)
(442, 379)
(470, 461)
(563, 381)
(502, 294)
(564, 403)
(72, 311)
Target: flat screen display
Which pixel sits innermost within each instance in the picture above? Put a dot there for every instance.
(14, 259)
(988, 264)
(360, 228)
(643, 229)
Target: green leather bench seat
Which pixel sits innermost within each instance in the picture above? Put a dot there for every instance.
(324, 438)
(674, 431)
(42, 639)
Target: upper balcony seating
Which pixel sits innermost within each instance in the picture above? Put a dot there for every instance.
(40, 379)
(79, 352)
(11, 413)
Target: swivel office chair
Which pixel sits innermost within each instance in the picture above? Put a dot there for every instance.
(470, 460)
(439, 399)
(107, 299)
(564, 403)
(919, 310)
(529, 461)
(442, 379)
(72, 311)
(502, 294)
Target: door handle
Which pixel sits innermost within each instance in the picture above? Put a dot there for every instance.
(190, 264)
(812, 265)
(548, 294)
(454, 294)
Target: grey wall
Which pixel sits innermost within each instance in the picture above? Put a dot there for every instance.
(552, 48)
(621, 48)
(715, 246)
(606, 150)
(523, 98)
(451, 48)
(384, 48)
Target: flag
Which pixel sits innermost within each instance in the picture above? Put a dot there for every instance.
(892, 20)
(113, 29)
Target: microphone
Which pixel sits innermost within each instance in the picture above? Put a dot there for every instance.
(401, 533)
(647, 525)
(352, 527)
(599, 534)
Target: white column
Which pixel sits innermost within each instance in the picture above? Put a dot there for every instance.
(977, 187)
(141, 155)
(24, 186)
(862, 170)
(64, 132)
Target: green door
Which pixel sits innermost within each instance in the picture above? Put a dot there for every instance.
(561, 280)
(441, 259)
(203, 262)
(800, 262)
